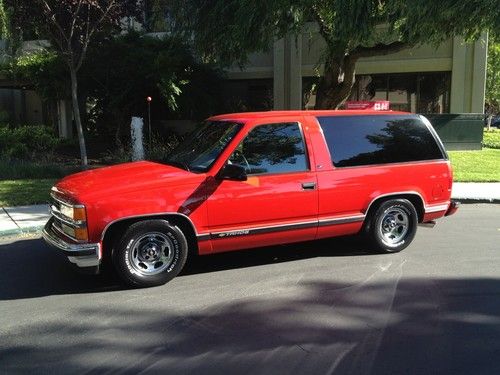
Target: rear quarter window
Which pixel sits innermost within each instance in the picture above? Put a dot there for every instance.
(378, 139)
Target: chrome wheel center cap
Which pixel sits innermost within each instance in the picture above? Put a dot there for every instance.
(150, 253)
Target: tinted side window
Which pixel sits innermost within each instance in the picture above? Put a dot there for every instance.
(273, 148)
(378, 139)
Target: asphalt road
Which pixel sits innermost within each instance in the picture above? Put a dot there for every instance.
(325, 307)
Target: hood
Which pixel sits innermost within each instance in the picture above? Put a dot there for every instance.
(128, 177)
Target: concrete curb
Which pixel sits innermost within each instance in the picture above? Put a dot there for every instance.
(477, 200)
(20, 231)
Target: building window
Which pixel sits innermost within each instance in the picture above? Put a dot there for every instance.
(409, 92)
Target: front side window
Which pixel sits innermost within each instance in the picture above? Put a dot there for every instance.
(272, 148)
(201, 148)
(378, 139)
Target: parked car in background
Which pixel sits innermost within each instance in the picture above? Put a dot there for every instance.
(495, 121)
(256, 179)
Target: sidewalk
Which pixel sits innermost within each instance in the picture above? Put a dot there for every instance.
(23, 219)
(31, 219)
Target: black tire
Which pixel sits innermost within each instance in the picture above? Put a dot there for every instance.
(150, 253)
(392, 226)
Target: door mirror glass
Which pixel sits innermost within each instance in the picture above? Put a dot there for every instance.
(232, 172)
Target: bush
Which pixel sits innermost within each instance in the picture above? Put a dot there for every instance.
(29, 143)
(15, 170)
(161, 147)
(491, 139)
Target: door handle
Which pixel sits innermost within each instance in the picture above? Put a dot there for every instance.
(309, 185)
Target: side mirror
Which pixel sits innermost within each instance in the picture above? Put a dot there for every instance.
(232, 172)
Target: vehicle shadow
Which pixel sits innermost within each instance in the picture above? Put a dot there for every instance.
(339, 246)
(30, 268)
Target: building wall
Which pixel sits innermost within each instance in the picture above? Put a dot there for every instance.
(291, 59)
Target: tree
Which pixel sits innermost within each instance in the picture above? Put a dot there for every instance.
(493, 76)
(4, 22)
(228, 30)
(71, 26)
(124, 70)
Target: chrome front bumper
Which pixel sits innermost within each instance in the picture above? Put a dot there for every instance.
(84, 255)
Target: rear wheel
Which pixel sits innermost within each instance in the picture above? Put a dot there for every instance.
(392, 226)
(150, 253)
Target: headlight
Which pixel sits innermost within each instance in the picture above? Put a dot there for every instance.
(76, 213)
(71, 219)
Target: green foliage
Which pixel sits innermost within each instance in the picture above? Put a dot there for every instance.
(36, 143)
(4, 22)
(227, 30)
(123, 71)
(156, 19)
(493, 76)
(44, 69)
(120, 73)
(161, 147)
(491, 139)
(15, 170)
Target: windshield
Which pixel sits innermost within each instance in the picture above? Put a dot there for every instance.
(202, 147)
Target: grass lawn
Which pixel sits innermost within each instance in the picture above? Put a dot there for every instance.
(476, 166)
(24, 192)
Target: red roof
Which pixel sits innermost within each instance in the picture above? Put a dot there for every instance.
(338, 112)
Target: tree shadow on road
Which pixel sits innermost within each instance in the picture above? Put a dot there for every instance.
(384, 326)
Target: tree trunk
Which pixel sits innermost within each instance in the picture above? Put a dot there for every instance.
(340, 69)
(336, 83)
(76, 114)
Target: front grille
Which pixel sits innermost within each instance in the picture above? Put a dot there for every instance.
(55, 205)
(58, 222)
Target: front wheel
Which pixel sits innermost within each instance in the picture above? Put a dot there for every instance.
(150, 253)
(392, 226)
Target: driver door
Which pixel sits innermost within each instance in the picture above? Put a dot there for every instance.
(278, 203)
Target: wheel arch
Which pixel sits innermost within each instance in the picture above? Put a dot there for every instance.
(113, 229)
(414, 197)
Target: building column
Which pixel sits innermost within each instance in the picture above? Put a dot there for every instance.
(457, 98)
(65, 118)
(468, 79)
(279, 74)
(479, 74)
(295, 72)
(288, 73)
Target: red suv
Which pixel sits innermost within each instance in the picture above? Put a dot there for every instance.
(256, 179)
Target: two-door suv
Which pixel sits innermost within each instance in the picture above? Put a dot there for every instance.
(256, 179)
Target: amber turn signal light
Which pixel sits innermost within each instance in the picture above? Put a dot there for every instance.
(79, 214)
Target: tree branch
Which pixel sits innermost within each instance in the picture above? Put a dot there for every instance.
(75, 17)
(91, 29)
(324, 30)
(51, 16)
(380, 49)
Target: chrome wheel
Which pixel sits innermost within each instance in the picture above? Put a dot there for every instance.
(151, 253)
(394, 225)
